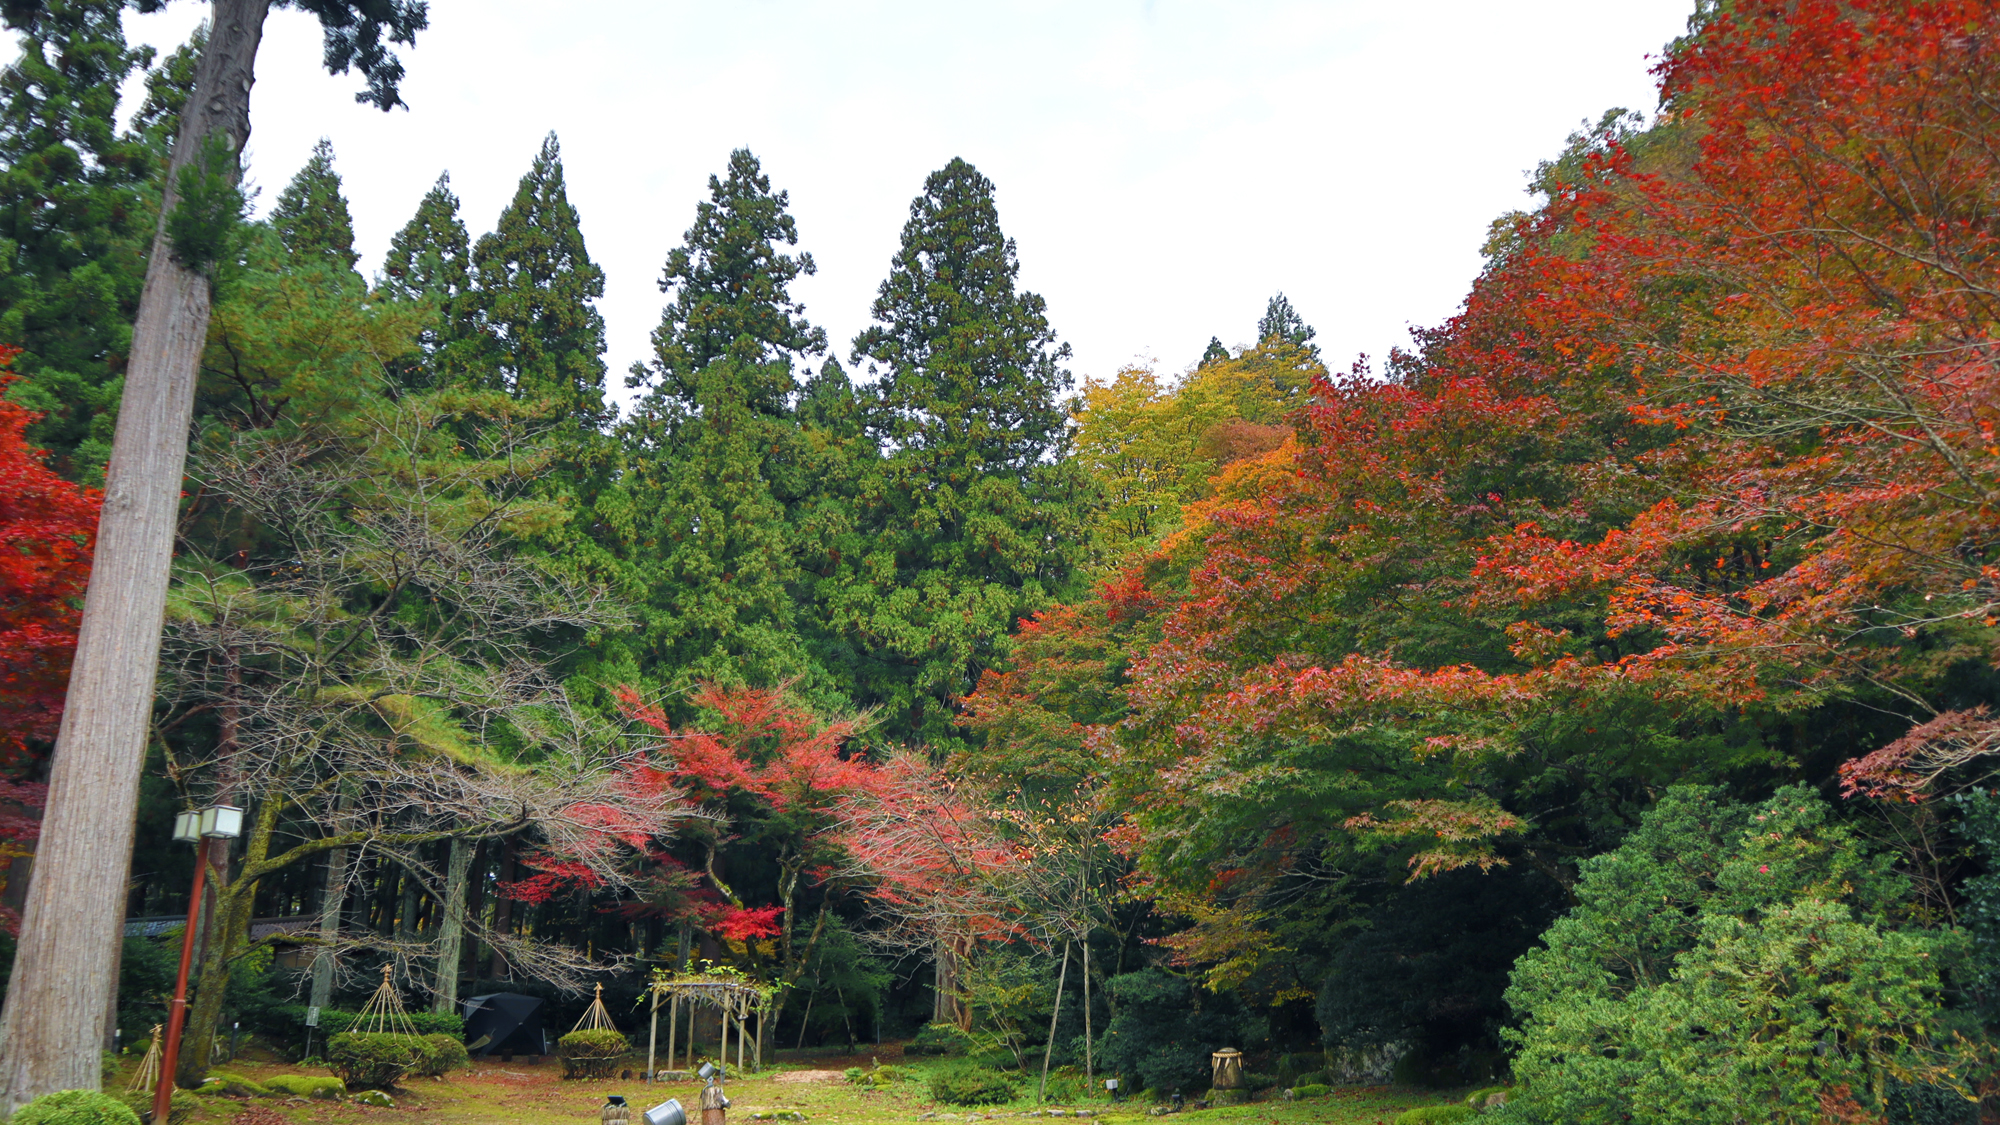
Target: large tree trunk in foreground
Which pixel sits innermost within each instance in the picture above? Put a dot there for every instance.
(55, 1003)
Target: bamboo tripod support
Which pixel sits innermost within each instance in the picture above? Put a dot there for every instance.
(384, 1011)
(148, 1074)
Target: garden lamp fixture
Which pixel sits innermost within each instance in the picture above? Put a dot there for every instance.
(216, 822)
(669, 1112)
(195, 826)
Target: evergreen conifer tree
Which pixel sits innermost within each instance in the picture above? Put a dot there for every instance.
(730, 297)
(1282, 322)
(430, 259)
(1215, 352)
(543, 337)
(311, 217)
(720, 470)
(75, 223)
(977, 522)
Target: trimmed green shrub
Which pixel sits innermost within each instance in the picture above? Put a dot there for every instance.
(1311, 1090)
(307, 1086)
(939, 1039)
(970, 1085)
(444, 1054)
(368, 1060)
(75, 1107)
(591, 1053)
(1435, 1115)
(855, 1075)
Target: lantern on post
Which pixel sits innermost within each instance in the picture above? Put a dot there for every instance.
(196, 826)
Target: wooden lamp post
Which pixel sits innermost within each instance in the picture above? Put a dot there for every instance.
(197, 826)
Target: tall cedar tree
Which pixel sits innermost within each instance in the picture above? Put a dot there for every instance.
(536, 282)
(430, 259)
(311, 217)
(62, 979)
(976, 524)
(1215, 352)
(75, 219)
(719, 466)
(1282, 322)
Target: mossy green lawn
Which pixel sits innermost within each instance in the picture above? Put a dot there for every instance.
(519, 1093)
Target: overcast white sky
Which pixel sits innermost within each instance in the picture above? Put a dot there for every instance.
(1164, 165)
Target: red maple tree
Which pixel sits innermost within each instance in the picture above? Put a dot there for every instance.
(49, 527)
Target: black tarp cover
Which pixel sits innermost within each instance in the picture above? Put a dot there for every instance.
(514, 1021)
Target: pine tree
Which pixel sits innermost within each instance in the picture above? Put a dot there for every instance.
(311, 217)
(1216, 353)
(719, 466)
(544, 339)
(1281, 322)
(75, 221)
(977, 523)
(430, 259)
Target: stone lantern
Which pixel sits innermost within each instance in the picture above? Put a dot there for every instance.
(1226, 1076)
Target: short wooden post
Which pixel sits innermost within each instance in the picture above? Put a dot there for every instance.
(714, 1106)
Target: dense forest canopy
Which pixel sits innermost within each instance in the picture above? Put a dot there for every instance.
(1597, 693)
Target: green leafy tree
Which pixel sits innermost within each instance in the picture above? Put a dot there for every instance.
(75, 218)
(430, 260)
(978, 522)
(536, 284)
(311, 218)
(1732, 963)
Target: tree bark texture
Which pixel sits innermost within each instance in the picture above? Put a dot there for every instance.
(49, 1026)
(451, 925)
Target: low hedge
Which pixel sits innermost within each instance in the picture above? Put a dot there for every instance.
(591, 1053)
(288, 1021)
(1311, 1090)
(970, 1085)
(75, 1107)
(374, 1061)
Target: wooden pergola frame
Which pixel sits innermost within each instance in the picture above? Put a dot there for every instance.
(734, 997)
